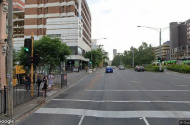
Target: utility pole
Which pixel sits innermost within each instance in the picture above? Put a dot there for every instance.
(160, 50)
(10, 59)
(133, 56)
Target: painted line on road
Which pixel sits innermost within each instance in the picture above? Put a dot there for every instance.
(145, 120)
(181, 85)
(128, 101)
(80, 122)
(178, 75)
(138, 90)
(115, 114)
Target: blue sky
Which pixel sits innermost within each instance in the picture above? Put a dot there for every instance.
(117, 20)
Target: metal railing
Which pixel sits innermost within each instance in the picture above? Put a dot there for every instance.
(21, 94)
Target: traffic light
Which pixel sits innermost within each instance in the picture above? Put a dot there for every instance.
(90, 62)
(28, 46)
(36, 59)
(159, 59)
(28, 61)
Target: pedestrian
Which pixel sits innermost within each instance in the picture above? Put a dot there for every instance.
(45, 79)
(50, 81)
(28, 82)
(39, 79)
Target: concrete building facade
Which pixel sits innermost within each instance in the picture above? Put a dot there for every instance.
(18, 23)
(68, 19)
(164, 48)
(179, 37)
(114, 53)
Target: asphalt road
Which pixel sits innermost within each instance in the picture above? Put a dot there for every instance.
(124, 97)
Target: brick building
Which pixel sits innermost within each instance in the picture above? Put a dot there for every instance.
(68, 19)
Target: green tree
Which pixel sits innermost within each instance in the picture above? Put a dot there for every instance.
(142, 55)
(51, 51)
(95, 56)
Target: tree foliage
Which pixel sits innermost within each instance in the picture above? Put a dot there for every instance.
(97, 56)
(51, 52)
(142, 55)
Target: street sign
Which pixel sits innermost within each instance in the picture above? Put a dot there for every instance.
(19, 69)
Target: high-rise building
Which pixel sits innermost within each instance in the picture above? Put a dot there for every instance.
(179, 41)
(68, 19)
(114, 53)
(18, 23)
(94, 44)
(178, 34)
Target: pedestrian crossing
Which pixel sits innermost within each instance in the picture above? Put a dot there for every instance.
(115, 114)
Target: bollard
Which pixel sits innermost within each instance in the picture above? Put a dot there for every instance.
(45, 91)
(38, 91)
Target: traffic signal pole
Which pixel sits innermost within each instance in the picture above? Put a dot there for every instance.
(32, 71)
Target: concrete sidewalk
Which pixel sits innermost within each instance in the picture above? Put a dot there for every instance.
(26, 108)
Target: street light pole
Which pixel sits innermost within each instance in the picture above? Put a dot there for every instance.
(133, 57)
(160, 49)
(160, 32)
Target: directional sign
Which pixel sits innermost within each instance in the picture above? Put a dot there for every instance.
(19, 69)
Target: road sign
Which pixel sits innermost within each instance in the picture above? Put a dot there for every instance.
(19, 69)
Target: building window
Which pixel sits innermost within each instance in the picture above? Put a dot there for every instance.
(46, 10)
(69, 8)
(63, 9)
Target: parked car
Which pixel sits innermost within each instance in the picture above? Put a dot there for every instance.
(139, 68)
(121, 67)
(109, 69)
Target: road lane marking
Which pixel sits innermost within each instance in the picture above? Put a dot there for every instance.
(138, 90)
(115, 114)
(145, 120)
(178, 75)
(181, 85)
(80, 122)
(128, 101)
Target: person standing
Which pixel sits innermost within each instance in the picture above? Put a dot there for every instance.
(39, 80)
(45, 79)
(50, 81)
(28, 82)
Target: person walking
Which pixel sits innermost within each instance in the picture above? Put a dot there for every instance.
(50, 81)
(45, 79)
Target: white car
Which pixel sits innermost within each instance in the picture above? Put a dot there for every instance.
(121, 68)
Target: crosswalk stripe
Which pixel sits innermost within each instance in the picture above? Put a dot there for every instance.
(115, 114)
(127, 101)
(138, 90)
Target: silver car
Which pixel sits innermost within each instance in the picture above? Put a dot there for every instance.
(121, 68)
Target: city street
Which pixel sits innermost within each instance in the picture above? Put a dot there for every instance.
(124, 97)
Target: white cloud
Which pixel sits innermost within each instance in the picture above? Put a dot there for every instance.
(117, 20)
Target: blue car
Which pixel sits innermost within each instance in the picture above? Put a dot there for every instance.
(109, 69)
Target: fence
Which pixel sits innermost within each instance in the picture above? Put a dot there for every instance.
(20, 95)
